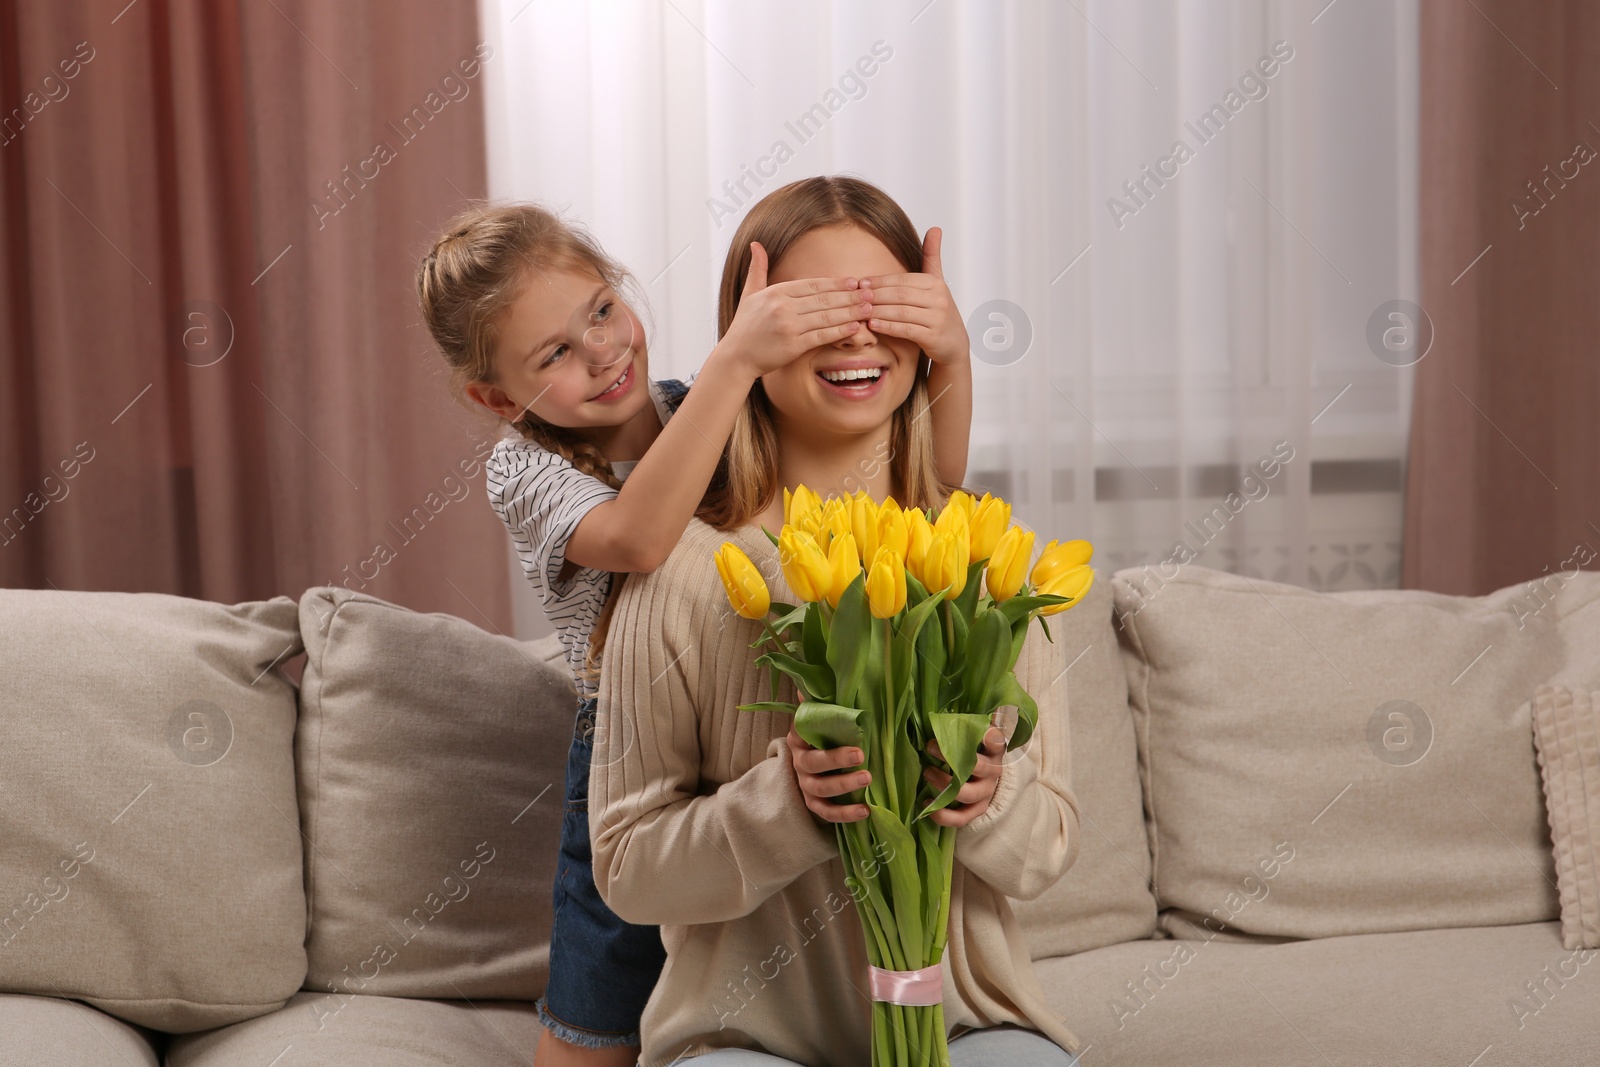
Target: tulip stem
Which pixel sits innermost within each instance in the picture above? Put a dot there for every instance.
(889, 716)
(772, 634)
(949, 634)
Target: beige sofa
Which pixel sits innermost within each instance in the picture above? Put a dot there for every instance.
(1314, 829)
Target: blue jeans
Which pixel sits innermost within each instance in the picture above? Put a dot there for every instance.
(1001, 1046)
(602, 969)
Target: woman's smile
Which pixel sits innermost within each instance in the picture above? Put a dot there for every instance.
(857, 378)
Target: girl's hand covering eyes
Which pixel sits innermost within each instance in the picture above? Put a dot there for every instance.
(919, 307)
(775, 324)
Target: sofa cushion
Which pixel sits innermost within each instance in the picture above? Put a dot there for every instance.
(1408, 999)
(1105, 895)
(52, 1032)
(147, 795)
(432, 757)
(1566, 733)
(335, 1030)
(1319, 764)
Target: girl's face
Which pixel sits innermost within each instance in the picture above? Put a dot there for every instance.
(801, 392)
(571, 352)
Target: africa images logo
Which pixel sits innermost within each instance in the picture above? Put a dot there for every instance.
(1253, 85)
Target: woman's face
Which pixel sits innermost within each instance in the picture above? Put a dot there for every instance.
(801, 393)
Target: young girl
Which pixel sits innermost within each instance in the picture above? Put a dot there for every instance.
(702, 815)
(597, 477)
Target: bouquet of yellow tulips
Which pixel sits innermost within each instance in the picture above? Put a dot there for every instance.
(910, 630)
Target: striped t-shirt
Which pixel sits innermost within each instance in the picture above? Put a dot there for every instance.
(541, 497)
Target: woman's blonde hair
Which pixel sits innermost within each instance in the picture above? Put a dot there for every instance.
(746, 479)
(475, 270)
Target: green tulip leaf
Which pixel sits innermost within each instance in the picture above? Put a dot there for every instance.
(764, 639)
(905, 880)
(848, 640)
(988, 657)
(814, 637)
(950, 684)
(930, 842)
(1012, 693)
(903, 662)
(1018, 606)
(915, 591)
(967, 602)
(870, 693)
(829, 725)
(770, 536)
(1019, 634)
(959, 737)
(931, 654)
(814, 678)
(788, 615)
(915, 617)
(950, 694)
(913, 758)
(769, 705)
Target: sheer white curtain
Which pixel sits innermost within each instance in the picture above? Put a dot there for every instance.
(1149, 323)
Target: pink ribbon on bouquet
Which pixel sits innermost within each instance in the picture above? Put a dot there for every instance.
(909, 989)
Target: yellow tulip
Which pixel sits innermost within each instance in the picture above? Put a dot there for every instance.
(805, 567)
(886, 583)
(844, 563)
(747, 590)
(952, 520)
(919, 534)
(1009, 563)
(989, 520)
(1060, 556)
(892, 530)
(963, 500)
(810, 523)
(1073, 582)
(946, 563)
(800, 502)
(864, 524)
(834, 523)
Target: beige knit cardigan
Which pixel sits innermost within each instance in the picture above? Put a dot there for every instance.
(699, 827)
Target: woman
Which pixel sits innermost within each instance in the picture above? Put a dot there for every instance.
(701, 822)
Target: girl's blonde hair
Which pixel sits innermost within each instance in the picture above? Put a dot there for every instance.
(746, 479)
(475, 270)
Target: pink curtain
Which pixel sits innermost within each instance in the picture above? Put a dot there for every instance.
(1503, 483)
(216, 381)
